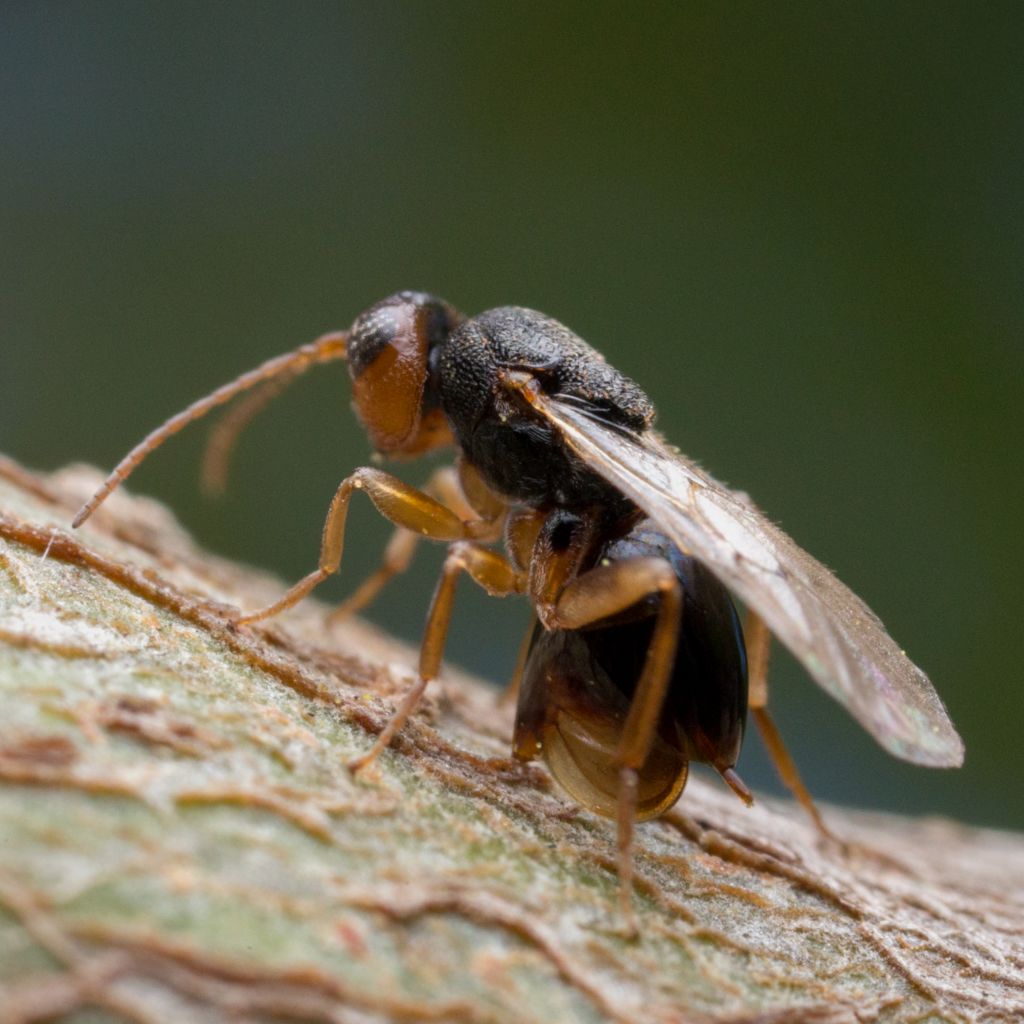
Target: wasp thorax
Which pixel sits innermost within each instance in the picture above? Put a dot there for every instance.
(389, 351)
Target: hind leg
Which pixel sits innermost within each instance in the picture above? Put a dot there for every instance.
(758, 640)
(601, 592)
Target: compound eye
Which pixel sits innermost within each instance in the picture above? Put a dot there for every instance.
(388, 357)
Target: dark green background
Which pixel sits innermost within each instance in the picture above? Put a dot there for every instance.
(799, 225)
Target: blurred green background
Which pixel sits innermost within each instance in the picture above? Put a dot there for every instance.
(798, 225)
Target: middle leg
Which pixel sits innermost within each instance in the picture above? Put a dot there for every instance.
(759, 640)
(491, 571)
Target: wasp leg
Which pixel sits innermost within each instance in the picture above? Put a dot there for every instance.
(598, 593)
(758, 640)
(444, 486)
(397, 557)
(522, 527)
(398, 502)
(511, 692)
(491, 571)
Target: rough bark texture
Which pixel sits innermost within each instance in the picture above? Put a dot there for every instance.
(180, 839)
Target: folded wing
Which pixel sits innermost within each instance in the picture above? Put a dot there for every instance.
(839, 640)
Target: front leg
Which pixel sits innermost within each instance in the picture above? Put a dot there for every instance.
(445, 485)
(399, 503)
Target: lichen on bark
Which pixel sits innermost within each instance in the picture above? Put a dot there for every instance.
(180, 838)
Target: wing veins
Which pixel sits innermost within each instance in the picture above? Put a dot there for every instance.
(832, 632)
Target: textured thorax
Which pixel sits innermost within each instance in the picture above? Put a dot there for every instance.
(519, 455)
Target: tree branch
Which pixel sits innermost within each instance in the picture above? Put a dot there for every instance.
(180, 839)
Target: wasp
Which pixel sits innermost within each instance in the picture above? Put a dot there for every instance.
(637, 663)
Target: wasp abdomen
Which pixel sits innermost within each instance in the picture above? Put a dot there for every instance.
(578, 686)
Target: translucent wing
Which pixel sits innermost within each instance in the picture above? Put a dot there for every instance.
(840, 641)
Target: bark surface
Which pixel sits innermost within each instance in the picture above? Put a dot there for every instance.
(180, 839)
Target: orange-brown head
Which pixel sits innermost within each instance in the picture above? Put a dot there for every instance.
(390, 349)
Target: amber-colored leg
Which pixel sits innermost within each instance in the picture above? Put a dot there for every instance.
(626, 820)
(758, 640)
(398, 552)
(492, 572)
(511, 692)
(607, 590)
(521, 527)
(398, 502)
(444, 486)
(596, 594)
